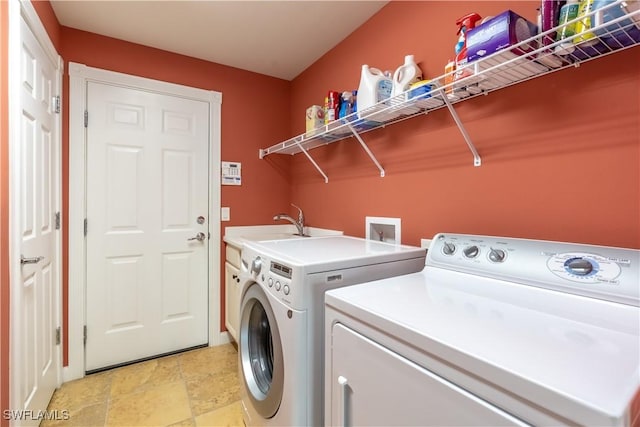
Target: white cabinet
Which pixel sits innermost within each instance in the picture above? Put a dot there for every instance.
(373, 386)
(232, 290)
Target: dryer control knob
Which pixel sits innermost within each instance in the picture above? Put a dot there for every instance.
(471, 251)
(497, 255)
(256, 265)
(448, 248)
(579, 266)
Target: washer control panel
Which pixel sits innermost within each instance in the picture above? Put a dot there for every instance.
(601, 272)
(276, 277)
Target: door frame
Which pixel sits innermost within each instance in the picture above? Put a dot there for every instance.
(79, 76)
(18, 10)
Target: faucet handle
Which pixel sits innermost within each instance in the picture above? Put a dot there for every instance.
(300, 214)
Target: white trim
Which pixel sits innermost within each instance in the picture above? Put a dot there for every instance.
(14, 201)
(79, 75)
(224, 338)
(25, 10)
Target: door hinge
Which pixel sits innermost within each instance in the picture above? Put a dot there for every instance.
(56, 104)
(85, 227)
(57, 220)
(58, 338)
(86, 118)
(84, 335)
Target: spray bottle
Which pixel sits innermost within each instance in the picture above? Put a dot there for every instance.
(464, 24)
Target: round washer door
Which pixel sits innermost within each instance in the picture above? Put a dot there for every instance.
(261, 352)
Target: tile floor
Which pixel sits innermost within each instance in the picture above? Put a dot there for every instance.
(196, 388)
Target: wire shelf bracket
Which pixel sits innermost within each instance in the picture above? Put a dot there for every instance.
(477, 161)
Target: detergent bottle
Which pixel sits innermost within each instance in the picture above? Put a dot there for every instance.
(405, 75)
(374, 87)
(464, 24)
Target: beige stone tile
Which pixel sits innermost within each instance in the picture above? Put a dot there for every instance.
(162, 405)
(88, 416)
(213, 391)
(86, 391)
(189, 422)
(209, 360)
(145, 375)
(229, 416)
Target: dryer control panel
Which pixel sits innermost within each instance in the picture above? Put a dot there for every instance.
(603, 272)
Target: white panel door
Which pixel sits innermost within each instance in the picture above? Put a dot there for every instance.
(38, 357)
(147, 185)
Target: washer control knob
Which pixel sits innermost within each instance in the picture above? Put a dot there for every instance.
(270, 282)
(579, 266)
(471, 251)
(286, 289)
(278, 285)
(497, 255)
(256, 265)
(448, 248)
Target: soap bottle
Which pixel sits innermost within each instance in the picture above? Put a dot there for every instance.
(374, 87)
(568, 12)
(585, 24)
(464, 24)
(345, 104)
(405, 75)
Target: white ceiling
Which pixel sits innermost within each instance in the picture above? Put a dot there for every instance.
(276, 38)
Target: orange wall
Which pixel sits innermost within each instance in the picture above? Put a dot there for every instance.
(4, 215)
(560, 154)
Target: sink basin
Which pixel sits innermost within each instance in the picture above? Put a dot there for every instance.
(262, 233)
(271, 236)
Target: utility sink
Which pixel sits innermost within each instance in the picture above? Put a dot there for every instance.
(263, 233)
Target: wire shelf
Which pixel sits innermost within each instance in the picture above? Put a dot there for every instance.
(531, 58)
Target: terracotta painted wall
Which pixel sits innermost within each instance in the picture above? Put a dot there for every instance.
(4, 215)
(560, 154)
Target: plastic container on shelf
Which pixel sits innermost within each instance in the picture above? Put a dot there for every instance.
(565, 33)
(374, 88)
(405, 75)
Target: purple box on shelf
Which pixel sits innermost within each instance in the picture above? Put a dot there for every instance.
(498, 33)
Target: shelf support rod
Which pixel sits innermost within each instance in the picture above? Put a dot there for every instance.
(366, 149)
(476, 157)
(326, 178)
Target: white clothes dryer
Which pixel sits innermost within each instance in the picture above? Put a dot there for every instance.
(281, 332)
(494, 331)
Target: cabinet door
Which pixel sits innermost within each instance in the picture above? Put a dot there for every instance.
(372, 386)
(232, 299)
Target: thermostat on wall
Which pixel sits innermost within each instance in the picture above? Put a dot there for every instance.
(231, 173)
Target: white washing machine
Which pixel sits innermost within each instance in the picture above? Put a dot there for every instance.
(281, 333)
(494, 331)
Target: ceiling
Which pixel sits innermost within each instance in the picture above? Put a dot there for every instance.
(276, 38)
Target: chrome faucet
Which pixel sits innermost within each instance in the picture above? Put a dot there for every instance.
(299, 223)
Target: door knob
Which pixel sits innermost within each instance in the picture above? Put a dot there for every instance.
(199, 237)
(33, 260)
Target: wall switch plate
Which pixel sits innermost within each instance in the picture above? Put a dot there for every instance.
(225, 214)
(383, 229)
(425, 243)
